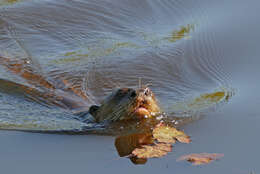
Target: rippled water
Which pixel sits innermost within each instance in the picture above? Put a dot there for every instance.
(190, 52)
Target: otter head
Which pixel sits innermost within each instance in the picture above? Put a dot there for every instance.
(126, 103)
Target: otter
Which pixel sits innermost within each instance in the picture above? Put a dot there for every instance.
(126, 103)
(122, 104)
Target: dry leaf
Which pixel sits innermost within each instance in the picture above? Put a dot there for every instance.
(152, 151)
(167, 134)
(164, 134)
(202, 158)
(183, 139)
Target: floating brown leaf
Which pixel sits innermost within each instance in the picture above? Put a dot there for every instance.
(202, 158)
(183, 138)
(152, 151)
(167, 134)
(164, 134)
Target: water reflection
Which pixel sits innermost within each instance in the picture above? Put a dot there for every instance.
(126, 144)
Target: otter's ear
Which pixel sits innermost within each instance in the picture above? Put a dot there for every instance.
(93, 109)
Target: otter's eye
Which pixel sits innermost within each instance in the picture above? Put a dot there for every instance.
(133, 94)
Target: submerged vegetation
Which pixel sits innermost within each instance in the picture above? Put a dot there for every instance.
(110, 47)
(204, 101)
(95, 52)
(183, 32)
(9, 2)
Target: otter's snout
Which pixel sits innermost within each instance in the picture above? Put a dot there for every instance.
(126, 103)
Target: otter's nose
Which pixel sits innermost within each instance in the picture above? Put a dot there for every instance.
(147, 92)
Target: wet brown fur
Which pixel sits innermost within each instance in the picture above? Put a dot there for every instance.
(122, 104)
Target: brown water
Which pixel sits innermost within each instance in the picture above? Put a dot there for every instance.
(186, 50)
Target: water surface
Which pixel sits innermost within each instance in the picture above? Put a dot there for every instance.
(184, 49)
